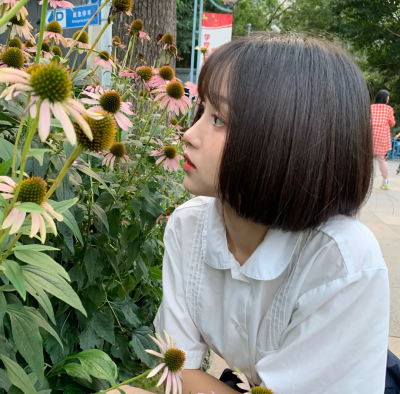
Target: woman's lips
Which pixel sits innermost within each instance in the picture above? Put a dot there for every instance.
(188, 165)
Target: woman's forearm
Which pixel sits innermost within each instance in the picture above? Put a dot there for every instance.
(197, 381)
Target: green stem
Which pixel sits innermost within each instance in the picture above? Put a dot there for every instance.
(93, 45)
(129, 381)
(148, 177)
(76, 57)
(21, 125)
(133, 47)
(76, 152)
(55, 14)
(52, 44)
(42, 25)
(84, 28)
(8, 38)
(126, 54)
(8, 251)
(168, 57)
(3, 10)
(10, 14)
(162, 55)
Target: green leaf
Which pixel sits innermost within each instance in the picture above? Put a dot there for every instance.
(155, 273)
(3, 304)
(101, 215)
(41, 260)
(92, 174)
(9, 119)
(82, 74)
(35, 290)
(38, 154)
(70, 221)
(93, 264)
(29, 207)
(98, 364)
(62, 206)
(41, 322)
(88, 339)
(4, 381)
(7, 151)
(13, 271)
(132, 232)
(5, 166)
(135, 207)
(17, 376)
(105, 199)
(103, 324)
(77, 371)
(27, 338)
(141, 264)
(34, 247)
(140, 342)
(55, 285)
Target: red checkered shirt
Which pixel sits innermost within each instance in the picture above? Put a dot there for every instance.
(382, 119)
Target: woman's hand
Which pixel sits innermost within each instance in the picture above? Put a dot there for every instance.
(129, 390)
(397, 136)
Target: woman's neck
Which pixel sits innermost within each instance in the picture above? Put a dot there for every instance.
(243, 236)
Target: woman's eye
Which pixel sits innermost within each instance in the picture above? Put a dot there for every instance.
(217, 121)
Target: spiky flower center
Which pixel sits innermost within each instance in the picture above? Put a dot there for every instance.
(20, 22)
(57, 51)
(103, 131)
(140, 56)
(105, 55)
(175, 90)
(84, 38)
(111, 101)
(54, 27)
(167, 73)
(173, 121)
(45, 47)
(136, 26)
(123, 5)
(261, 390)
(33, 190)
(13, 57)
(174, 359)
(145, 72)
(168, 39)
(170, 152)
(51, 81)
(116, 40)
(15, 43)
(28, 44)
(118, 149)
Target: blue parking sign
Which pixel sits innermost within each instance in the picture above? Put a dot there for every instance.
(78, 17)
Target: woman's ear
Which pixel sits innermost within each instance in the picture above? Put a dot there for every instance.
(387, 100)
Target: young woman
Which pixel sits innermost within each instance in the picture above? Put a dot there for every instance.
(382, 119)
(269, 268)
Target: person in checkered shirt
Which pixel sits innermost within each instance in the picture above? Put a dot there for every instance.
(382, 119)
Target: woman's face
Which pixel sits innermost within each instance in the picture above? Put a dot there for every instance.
(205, 141)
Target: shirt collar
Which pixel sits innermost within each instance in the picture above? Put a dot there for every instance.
(267, 262)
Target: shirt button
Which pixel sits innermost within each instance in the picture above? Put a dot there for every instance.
(238, 329)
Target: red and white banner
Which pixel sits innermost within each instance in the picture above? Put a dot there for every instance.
(216, 30)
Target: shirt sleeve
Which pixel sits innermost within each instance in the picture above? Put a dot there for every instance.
(173, 315)
(336, 341)
(392, 122)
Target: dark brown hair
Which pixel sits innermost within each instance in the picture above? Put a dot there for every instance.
(299, 146)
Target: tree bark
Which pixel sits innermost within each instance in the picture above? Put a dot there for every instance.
(158, 16)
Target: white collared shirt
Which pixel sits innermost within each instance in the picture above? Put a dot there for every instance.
(308, 313)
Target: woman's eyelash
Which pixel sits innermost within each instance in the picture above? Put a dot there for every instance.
(216, 119)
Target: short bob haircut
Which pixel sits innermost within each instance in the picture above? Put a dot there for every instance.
(299, 144)
(381, 97)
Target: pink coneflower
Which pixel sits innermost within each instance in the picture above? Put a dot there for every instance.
(104, 60)
(123, 6)
(110, 101)
(116, 152)
(173, 363)
(59, 4)
(168, 153)
(21, 27)
(192, 87)
(45, 52)
(173, 122)
(82, 43)
(49, 84)
(12, 57)
(163, 76)
(32, 190)
(246, 385)
(116, 41)
(167, 42)
(173, 95)
(164, 218)
(23, 12)
(54, 31)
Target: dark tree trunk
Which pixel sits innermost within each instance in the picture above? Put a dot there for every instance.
(158, 16)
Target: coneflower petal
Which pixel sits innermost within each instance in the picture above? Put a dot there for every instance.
(155, 370)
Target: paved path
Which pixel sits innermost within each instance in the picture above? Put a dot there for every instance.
(382, 215)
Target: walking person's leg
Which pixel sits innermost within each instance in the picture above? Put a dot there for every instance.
(384, 168)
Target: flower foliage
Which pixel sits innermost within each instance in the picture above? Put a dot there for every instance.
(86, 171)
